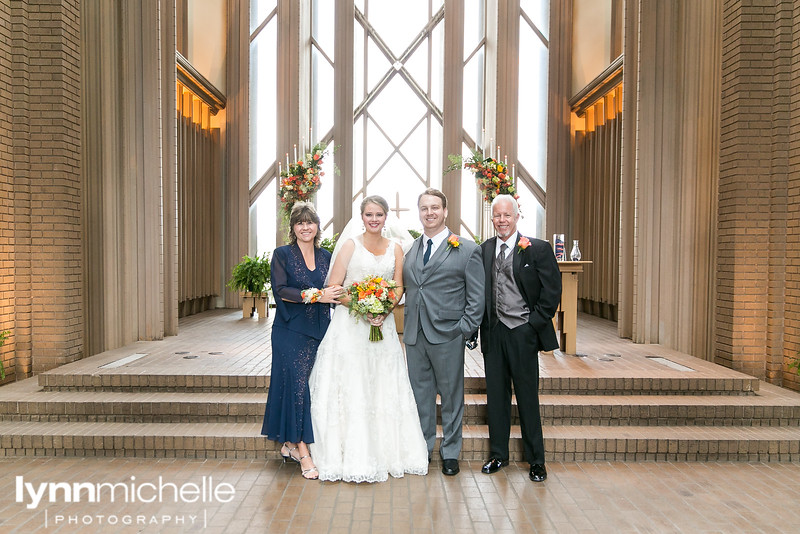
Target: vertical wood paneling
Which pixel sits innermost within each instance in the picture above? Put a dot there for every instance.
(199, 187)
(595, 205)
(130, 171)
(669, 173)
(169, 154)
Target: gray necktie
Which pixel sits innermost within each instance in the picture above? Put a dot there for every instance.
(427, 255)
(503, 248)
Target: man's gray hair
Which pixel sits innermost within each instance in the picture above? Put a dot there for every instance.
(511, 199)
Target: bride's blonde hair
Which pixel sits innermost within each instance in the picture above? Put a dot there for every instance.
(375, 199)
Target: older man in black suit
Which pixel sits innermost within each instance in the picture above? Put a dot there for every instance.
(523, 290)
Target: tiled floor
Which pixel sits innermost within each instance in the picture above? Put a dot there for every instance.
(272, 497)
(220, 349)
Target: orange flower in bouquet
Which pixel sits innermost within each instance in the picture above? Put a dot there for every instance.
(372, 296)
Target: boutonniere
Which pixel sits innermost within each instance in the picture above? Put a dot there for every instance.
(453, 242)
(523, 243)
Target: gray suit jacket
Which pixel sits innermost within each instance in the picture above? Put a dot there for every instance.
(446, 296)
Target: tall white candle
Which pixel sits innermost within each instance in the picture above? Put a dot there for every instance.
(295, 153)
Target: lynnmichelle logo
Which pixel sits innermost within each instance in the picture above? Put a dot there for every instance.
(130, 492)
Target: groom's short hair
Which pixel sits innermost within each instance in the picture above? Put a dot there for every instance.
(434, 193)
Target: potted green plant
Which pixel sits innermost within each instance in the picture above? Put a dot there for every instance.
(251, 277)
(3, 336)
(329, 243)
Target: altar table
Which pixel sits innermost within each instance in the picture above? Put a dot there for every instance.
(566, 318)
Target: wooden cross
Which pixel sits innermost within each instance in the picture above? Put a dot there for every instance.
(397, 209)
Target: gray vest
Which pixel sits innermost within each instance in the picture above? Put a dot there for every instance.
(509, 305)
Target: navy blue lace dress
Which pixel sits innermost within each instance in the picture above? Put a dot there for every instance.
(296, 333)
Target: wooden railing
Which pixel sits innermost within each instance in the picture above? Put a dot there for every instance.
(199, 191)
(596, 166)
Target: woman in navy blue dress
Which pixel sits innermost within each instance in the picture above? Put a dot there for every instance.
(303, 314)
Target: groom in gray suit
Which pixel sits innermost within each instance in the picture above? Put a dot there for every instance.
(444, 284)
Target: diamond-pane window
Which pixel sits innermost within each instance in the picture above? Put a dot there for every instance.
(398, 51)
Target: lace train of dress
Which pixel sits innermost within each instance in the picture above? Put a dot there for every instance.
(363, 412)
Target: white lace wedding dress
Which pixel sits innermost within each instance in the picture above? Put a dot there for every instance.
(363, 411)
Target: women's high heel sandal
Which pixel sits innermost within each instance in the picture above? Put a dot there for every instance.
(305, 472)
(289, 456)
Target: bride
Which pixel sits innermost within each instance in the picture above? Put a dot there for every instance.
(363, 412)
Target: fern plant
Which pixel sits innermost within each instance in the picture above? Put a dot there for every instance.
(3, 336)
(329, 243)
(251, 274)
(795, 364)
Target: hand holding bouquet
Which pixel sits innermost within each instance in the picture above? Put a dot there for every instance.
(372, 296)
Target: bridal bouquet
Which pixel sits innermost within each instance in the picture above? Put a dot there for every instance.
(372, 296)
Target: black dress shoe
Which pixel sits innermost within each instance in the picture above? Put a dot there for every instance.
(493, 465)
(538, 472)
(450, 467)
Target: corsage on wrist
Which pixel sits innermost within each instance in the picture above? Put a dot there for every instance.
(311, 295)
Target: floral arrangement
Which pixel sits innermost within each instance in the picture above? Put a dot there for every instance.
(453, 242)
(492, 176)
(301, 180)
(372, 296)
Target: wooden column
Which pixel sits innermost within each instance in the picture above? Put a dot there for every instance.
(507, 83)
(558, 128)
(237, 144)
(343, 111)
(453, 107)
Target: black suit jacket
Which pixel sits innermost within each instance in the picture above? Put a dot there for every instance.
(538, 278)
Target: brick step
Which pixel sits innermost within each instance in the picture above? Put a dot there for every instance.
(142, 407)
(767, 409)
(770, 407)
(549, 385)
(562, 443)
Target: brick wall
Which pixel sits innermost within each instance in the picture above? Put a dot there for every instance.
(754, 284)
(40, 185)
(792, 330)
(6, 191)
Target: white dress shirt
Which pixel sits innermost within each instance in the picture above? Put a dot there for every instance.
(509, 243)
(438, 239)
